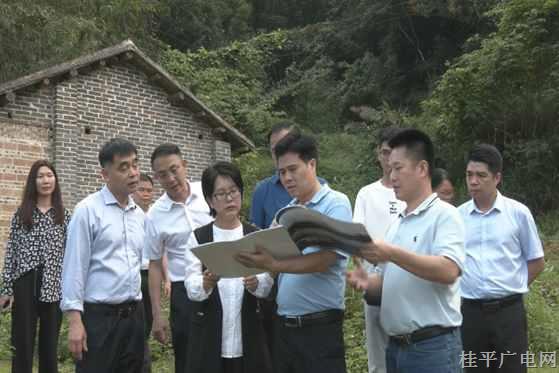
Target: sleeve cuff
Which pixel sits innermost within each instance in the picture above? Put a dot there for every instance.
(265, 283)
(67, 305)
(195, 289)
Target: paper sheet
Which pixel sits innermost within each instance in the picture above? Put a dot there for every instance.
(219, 257)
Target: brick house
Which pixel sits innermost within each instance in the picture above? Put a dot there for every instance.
(66, 112)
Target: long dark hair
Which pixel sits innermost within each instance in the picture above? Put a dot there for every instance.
(29, 199)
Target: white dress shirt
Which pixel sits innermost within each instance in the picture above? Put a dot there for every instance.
(103, 252)
(231, 292)
(377, 208)
(169, 225)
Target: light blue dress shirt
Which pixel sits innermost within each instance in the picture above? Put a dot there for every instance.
(300, 294)
(499, 245)
(103, 252)
(409, 302)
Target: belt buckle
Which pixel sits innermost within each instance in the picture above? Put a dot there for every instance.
(492, 306)
(293, 322)
(125, 311)
(407, 339)
(404, 339)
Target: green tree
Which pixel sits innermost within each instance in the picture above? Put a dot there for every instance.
(36, 34)
(506, 92)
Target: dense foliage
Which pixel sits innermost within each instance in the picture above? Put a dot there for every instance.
(506, 92)
(465, 71)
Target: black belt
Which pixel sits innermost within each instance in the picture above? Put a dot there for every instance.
(122, 310)
(492, 305)
(317, 318)
(421, 334)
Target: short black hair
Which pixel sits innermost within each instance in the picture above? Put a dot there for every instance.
(116, 146)
(418, 145)
(146, 177)
(164, 150)
(291, 127)
(438, 176)
(303, 145)
(221, 168)
(387, 133)
(488, 154)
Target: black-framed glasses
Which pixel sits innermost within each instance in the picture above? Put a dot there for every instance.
(222, 196)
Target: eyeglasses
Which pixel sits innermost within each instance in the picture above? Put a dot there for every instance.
(222, 196)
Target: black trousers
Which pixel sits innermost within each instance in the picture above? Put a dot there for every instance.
(268, 309)
(115, 338)
(502, 330)
(233, 365)
(26, 310)
(148, 320)
(311, 349)
(180, 321)
(146, 300)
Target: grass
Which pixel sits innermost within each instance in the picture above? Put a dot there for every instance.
(542, 306)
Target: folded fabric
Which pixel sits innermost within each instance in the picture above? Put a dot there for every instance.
(311, 228)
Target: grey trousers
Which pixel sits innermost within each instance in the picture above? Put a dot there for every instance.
(377, 340)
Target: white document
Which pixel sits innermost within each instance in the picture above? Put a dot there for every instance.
(219, 257)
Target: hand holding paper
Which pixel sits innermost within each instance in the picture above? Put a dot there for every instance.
(251, 283)
(260, 258)
(209, 280)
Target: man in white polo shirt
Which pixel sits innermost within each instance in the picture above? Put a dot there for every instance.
(423, 255)
(504, 255)
(376, 207)
(170, 221)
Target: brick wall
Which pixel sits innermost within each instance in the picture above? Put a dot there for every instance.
(24, 138)
(82, 113)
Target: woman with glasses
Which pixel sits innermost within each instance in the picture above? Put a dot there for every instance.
(32, 269)
(226, 333)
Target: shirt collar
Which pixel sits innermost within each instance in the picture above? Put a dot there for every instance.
(498, 205)
(167, 203)
(423, 206)
(318, 196)
(110, 199)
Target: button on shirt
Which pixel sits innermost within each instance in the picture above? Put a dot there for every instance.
(169, 225)
(103, 252)
(410, 303)
(499, 243)
(303, 293)
(231, 291)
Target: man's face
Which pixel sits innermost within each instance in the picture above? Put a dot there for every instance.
(406, 174)
(481, 182)
(122, 174)
(170, 170)
(274, 139)
(143, 196)
(297, 176)
(383, 155)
